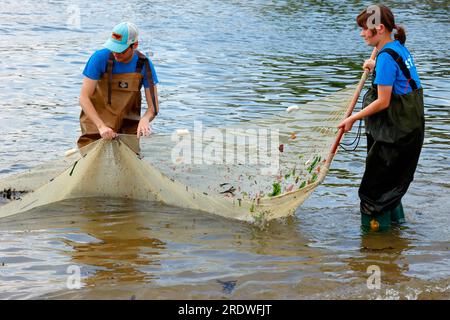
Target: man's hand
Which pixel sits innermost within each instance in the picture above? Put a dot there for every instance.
(106, 132)
(144, 128)
(369, 64)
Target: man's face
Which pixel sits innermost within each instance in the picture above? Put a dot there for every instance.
(126, 55)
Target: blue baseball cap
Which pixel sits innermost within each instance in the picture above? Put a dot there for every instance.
(123, 35)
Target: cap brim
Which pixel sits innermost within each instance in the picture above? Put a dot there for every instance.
(115, 47)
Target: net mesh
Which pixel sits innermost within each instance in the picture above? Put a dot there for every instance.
(253, 171)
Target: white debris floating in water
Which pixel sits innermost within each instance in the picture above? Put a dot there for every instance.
(292, 108)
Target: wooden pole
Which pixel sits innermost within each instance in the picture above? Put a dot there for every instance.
(352, 106)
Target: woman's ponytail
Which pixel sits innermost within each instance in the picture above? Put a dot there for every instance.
(400, 35)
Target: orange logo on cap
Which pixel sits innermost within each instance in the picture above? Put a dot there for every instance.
(117, 36)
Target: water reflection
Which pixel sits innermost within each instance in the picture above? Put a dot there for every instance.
(124, 245)
(385, 250)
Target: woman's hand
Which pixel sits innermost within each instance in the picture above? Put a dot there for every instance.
(369, 64)
(347, 124)
(144, 128)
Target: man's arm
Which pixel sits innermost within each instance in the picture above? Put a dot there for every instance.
(87, 91)
(149, 115)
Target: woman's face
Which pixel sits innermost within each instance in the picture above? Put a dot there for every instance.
(371, 40)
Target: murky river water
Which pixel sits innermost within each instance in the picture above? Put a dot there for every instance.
(219, 62)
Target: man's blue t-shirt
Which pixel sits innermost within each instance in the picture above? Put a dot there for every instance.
(97, 63)
(388, 72)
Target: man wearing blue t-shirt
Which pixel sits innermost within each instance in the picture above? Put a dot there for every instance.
(110, 95)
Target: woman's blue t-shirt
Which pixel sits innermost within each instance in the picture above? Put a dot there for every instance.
(97, 63)
(388, 72)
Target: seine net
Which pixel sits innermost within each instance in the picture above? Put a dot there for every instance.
(253, 171)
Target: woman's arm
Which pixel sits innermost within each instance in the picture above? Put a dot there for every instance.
(381, 103)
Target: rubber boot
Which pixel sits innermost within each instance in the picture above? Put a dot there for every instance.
(397, 215)
(378, 222)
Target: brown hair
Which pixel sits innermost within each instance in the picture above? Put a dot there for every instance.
(386, 18)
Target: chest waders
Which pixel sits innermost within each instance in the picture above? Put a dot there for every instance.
(394, 142)
(117, 100)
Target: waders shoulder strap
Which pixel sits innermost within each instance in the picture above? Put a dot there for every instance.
(143, 60)
(139, 65)
(109, 70)
(397, 58)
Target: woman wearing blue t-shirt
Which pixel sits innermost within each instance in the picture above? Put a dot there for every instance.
(394, 116)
